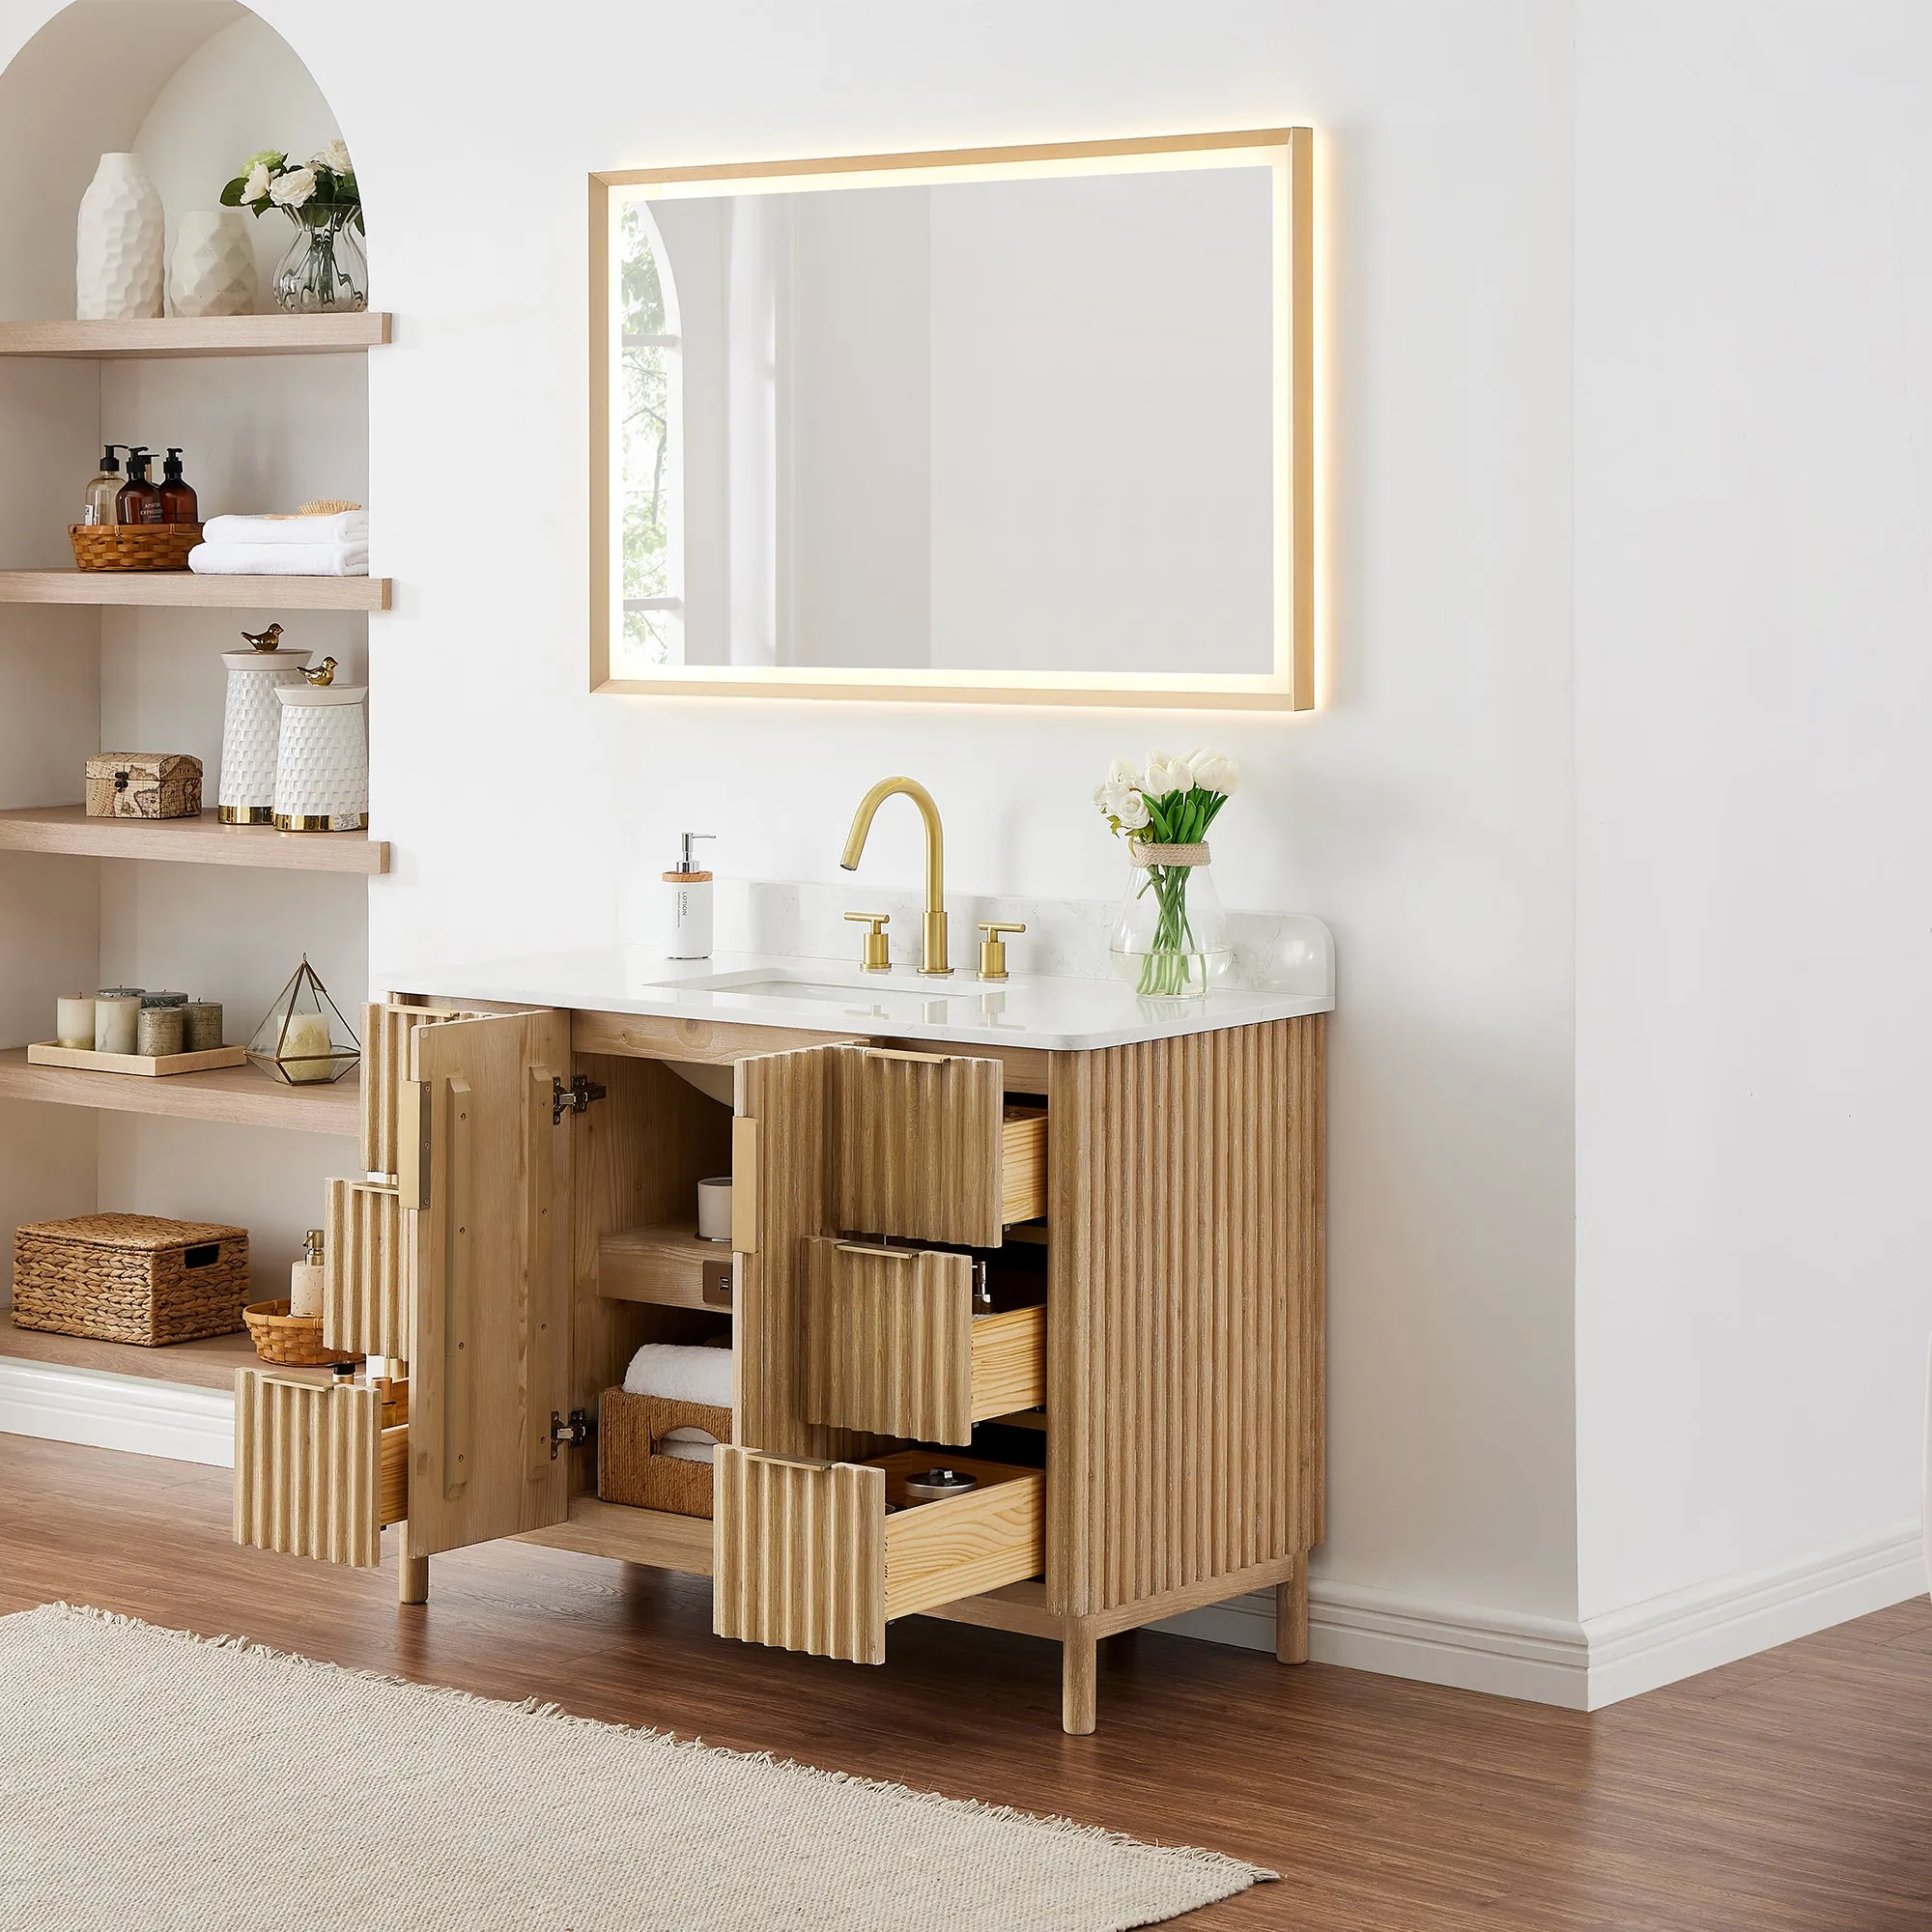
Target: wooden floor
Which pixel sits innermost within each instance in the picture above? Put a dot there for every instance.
(1794, 1790)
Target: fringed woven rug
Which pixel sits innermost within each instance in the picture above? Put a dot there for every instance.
(150, 1779)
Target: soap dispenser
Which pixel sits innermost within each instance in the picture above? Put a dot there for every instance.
(140, 498)
(102, 491)
(179, 504)
(688, 908)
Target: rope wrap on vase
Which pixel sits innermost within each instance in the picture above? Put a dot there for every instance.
(1168, 855)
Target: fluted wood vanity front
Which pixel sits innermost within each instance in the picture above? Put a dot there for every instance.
(1154, 1210)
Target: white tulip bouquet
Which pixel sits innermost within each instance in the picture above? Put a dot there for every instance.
(1164, 810)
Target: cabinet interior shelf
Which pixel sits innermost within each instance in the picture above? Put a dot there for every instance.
(238, 1094)
(201, 841)
(171, 336)
(669, 1266)
(179, 589)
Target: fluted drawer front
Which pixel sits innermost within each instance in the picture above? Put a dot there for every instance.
(892, 1344)
(806, 1557)
(922, 1146)
(364, 1294)
(316, 1473)
(385, 1065)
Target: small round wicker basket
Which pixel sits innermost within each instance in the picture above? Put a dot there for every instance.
(291, 1341)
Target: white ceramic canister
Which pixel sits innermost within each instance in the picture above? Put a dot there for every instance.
(213, 269)
(251, 732)
(321, 765)
(120, 241)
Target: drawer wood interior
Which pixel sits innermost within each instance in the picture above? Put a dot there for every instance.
(891, 1344)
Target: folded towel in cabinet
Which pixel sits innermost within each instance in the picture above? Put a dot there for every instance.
(687, 1445)
(681, 1373)
(345, 526)
(293, 559)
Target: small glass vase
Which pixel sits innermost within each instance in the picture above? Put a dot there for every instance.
(1169, 939)
(325, 266)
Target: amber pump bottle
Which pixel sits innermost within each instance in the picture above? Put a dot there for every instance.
(140, 498)
(179, 504)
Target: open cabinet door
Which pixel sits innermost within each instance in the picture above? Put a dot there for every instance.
(485, 1182)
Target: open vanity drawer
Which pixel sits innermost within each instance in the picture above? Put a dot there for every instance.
(891, 1343)
(320, 1466)
(806, 1557)
(925, 1147)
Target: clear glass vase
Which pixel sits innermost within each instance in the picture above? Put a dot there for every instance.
(325, 266)
(1169, 939)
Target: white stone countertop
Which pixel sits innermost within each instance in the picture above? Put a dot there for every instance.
(1055, 1015)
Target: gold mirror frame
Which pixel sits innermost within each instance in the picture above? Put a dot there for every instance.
(1288, 686)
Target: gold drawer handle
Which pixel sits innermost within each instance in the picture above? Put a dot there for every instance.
(902, 1053)
(869, 1248)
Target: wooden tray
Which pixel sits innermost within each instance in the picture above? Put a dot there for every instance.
(151, 1065)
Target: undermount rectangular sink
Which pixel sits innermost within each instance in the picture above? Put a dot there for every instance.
(768, 984)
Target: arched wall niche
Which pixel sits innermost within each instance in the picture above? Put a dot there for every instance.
(194, 85)
(190, 85)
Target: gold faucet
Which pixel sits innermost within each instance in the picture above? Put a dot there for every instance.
(932, 953)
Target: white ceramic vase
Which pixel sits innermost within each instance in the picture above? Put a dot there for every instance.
(322, 764)
(119, 243)
(213, 269)
(251, 732)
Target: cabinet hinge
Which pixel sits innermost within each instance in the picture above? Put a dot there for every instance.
(576, 1433)
(576, 1098)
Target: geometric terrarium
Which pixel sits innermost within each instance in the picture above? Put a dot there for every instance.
(305, 1038)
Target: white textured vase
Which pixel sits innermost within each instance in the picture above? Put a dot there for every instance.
(321, 765)
(213, 269)
(119, 243)
(251, 732)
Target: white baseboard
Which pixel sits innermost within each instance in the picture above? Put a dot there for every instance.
(100, 1411)
(1583, 1666)
(1542, 1660)
(1692, 1630)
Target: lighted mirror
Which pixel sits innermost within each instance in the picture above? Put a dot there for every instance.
(1015, 424)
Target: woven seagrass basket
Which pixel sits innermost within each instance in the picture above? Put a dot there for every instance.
(132, 546)
(130, 1278)
(290, 1340)
(632, 1469)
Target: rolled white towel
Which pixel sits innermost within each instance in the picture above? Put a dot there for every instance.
(322, 560)
(687, 1445)
(681, 1373)
(345, 526)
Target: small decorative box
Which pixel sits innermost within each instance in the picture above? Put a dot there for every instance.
(143, 784)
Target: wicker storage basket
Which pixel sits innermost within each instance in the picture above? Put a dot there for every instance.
(132, 546)
(629, 1469)
(130, 1278)
(290, 1340)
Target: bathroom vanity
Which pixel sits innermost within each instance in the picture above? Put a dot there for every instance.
(1144, 1181)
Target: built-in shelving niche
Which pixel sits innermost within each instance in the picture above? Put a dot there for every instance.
(272, 411)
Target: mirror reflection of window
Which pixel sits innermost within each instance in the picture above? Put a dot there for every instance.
(650, 429)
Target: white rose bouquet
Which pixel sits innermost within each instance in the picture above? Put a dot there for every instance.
(305, 192)
(323, 269)
(1164, 810)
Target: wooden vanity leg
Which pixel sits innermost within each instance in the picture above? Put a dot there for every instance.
(1290, 1615)
(1078, 1655)
(411, 1577)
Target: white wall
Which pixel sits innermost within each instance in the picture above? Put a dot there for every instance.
(1754, 685)
(1424, 810)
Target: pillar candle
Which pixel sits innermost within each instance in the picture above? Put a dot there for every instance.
(73, 1025)
(116, 1016)
(204, 1025)
(305, 1048)
(161, 1031)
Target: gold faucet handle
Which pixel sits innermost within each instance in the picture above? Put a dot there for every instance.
(993, 948)
(878, 948)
